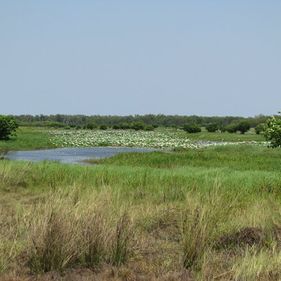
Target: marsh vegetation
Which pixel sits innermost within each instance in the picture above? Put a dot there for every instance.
(209, 213)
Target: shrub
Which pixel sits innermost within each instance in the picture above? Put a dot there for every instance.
(192, 128)
(231, 128)
(212, 127)
(116, 127)
(90, 126)
(138, 126)
(260, 128)
(103, 127)
(273, 131)
(243, 126)
(8, 127)
(124, 126)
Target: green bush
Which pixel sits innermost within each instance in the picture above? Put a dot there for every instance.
(103, 127)
(90, 126)
(191, 128)
(273, 131)
(124, 126)
(260, 128)
(8, 127)
(212, 127)
(116, 127)
(243, 126)
(138, 126)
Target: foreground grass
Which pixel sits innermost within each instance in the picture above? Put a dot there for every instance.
(209, 214)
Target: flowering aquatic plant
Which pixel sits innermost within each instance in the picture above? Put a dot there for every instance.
(129, 138)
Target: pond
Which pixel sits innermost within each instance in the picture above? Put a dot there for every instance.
(71, 155)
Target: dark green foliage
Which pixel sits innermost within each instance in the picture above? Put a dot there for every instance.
(138, 126)
(124, 122)
(103, 127)
(124, 126)
(191, 128)
(243, 126)
(8, 127)
(116, 127)
(91, 126)
(230, 128)
(260, 128)
(212, 127)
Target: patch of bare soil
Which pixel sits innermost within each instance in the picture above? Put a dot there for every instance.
(248, 236)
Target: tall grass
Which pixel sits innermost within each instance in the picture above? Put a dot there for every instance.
(196, 213)
(257, 265)
(201, 224)
(66, 233)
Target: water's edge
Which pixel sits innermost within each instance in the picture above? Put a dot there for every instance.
(71, 155)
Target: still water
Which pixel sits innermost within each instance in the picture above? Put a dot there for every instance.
(71, 155)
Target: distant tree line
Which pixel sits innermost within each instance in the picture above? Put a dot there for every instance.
(269, 126)
(149, 121)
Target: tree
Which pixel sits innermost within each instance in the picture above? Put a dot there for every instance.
(103, 127)
(231, 128)
(8, 127)
(212, 127)
(191, 128)
(90, 126)
(260, 128)
(272, 131)
(243, 126)
(138, 126)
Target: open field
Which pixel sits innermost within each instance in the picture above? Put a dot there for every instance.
(206, 214)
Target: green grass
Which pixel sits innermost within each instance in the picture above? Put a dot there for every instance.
(242, 157)
(27, 139)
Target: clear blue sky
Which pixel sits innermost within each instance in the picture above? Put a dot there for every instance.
(135, 57)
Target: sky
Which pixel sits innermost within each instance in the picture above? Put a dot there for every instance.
(202, 57)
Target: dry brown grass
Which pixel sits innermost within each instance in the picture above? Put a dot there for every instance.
(92, 235)
(65, 232)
